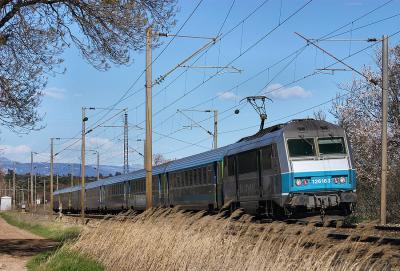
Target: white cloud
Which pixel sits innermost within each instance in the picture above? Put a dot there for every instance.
(53, 92)
(100, 142)
(13, 150)
(279, 92)
(227, 95)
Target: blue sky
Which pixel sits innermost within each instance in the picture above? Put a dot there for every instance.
(82, 85)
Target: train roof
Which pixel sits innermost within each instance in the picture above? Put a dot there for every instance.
(257, 140)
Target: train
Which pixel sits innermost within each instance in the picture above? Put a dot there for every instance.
(296, 168)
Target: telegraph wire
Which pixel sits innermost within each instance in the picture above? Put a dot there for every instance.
(237, 57)
(224, 35)
(304, 77)
(365, 14)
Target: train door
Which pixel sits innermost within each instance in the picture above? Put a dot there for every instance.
(126, 189)
(248, 180)
(230, 183)
(102, 196)
(270, 173)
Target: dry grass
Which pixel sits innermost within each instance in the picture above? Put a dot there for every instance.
(42, 225)
(174, 240)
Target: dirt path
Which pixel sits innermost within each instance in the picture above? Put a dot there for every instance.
(17, 246)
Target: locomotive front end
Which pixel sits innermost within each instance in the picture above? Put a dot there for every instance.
(320, 173)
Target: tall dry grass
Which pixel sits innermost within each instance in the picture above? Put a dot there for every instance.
(173, 240)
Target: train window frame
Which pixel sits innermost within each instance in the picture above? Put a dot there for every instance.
(303, 139)
(344, 153)
(190, 180)
(195, 176)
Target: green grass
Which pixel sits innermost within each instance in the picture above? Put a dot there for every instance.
(50, 231)
(63, 260)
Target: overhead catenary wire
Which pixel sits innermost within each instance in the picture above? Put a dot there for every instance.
(314, 73)
(230, 31)
(389, 1)
(155, 59)
(334, 32)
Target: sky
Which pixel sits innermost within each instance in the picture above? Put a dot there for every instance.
(261, 54)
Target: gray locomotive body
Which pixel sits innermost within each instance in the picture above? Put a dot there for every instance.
(291, 168)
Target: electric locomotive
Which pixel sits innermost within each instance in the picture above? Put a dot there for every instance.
(295, 168)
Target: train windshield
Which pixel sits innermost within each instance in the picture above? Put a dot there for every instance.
(331, 145)
(301, 147)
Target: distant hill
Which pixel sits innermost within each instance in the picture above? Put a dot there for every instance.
(63, 169)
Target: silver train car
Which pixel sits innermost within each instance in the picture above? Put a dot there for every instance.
(295, 168)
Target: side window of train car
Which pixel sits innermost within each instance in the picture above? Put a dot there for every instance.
(187, 178)
(177, 180)
(209, 174)
(193, 177)
(267, 155)
(190, 179)
(172, 179)
(231, 165)
(247, 162)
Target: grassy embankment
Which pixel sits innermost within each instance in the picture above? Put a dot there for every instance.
(169, 239)
(60, 259)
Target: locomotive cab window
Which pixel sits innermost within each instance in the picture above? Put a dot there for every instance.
(331, 145)
(301, 147)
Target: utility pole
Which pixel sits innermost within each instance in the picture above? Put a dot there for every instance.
(148, 144)
(126, 151)
(98, 165)
(27, 197)
(385, 86)
(13, 193)
(72, 184)
(31, 175)
(215, 134)
(84, 119)
(23, 197)
(44, 194)
(215, 129)
(35, 191)
(51, 172)
(57, 182)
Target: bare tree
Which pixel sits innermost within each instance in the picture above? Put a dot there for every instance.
(159, 159)
(319, 115)
(360, 114)
(34, 33)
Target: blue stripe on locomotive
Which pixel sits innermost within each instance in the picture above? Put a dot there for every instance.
(289, 178)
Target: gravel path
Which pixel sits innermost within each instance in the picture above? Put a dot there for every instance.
(17, 246)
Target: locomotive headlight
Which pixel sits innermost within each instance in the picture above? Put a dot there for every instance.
(336, 180)
(298, 182)
(342, 179)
